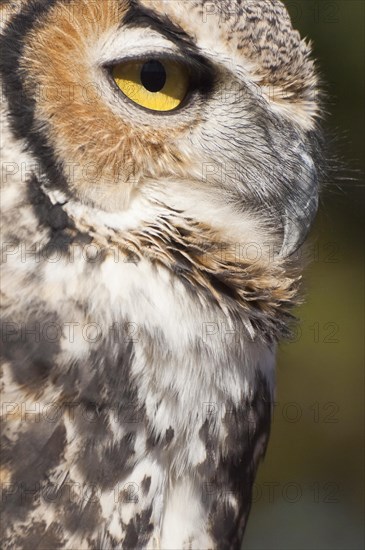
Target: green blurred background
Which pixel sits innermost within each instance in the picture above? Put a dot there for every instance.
(310, 489)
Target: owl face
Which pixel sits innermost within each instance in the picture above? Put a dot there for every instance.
(203, 107)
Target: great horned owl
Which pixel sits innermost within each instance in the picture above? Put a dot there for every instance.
(160, 168)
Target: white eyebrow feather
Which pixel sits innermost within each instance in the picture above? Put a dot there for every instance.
(120, 43)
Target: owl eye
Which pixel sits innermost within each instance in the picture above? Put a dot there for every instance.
(158, 85)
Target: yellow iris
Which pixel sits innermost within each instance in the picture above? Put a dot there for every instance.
(159, 85)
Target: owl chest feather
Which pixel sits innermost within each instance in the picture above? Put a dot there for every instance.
(133, 393)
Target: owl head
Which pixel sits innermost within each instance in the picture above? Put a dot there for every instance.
(138, 108)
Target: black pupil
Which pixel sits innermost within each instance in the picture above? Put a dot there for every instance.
(153, 76)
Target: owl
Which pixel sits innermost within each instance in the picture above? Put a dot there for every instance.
(160, 171)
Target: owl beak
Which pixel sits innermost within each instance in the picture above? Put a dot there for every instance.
(297, 226)
(300, 212)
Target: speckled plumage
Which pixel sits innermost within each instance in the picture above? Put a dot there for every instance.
(147, 267)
